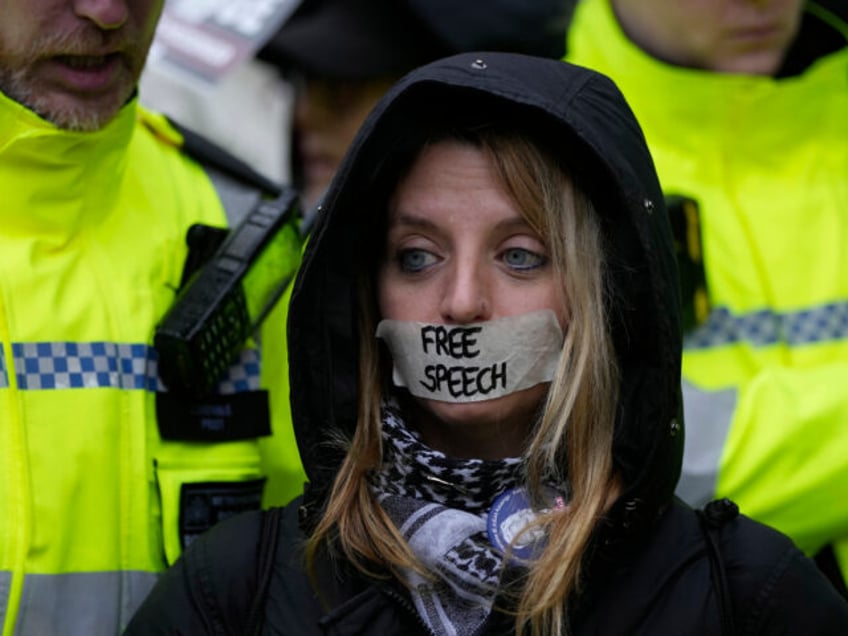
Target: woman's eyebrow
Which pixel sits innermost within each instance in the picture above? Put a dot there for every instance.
(415, 220)
(410, 220)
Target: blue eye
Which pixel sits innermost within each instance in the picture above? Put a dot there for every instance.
(414, 260)
(522, 259)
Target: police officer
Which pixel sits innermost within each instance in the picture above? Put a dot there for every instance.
(105, 475)
(743, 105)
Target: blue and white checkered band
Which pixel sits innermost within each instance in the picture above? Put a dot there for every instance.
(823, 324)
(92, 365)
(4, 377)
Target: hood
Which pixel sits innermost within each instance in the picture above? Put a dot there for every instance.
(583, 117)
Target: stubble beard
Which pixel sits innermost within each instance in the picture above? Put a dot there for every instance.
(19, 81)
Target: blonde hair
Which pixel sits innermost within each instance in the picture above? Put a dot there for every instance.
(571, 441)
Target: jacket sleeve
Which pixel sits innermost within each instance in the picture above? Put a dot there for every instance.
(778, 447)
(801, 601)
(210, 587)
(776, 589)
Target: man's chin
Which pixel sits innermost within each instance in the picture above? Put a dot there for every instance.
(66, 110)
(82, 114)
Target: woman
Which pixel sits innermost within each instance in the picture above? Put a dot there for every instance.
(486, 388)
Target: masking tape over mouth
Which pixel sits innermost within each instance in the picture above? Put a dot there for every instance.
(473, 362)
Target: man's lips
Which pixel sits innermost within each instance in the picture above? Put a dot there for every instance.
(756, 33)
(87, 73)
(82, 61)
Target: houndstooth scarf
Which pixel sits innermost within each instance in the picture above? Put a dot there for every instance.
(440, 505)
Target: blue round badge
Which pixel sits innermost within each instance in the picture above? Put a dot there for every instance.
(510, 514)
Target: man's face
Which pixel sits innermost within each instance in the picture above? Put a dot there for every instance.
(328, 113)
(726, 36)
(74, 62)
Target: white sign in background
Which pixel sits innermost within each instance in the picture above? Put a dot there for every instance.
(209, 38)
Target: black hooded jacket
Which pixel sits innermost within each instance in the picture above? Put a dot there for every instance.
(655, 566)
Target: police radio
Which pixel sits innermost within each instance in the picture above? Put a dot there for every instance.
(685, 217)
(228, 296)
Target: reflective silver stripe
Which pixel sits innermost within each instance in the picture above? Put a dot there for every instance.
(707, 416)
(90, 603)
(43, 366)
(762, 328)
(5, 589)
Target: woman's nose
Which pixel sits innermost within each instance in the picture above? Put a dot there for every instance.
(466, 297)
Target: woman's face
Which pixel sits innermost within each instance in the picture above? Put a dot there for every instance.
(458, 251)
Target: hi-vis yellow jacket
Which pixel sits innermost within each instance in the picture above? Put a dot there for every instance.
(766, 373)
(93, 501)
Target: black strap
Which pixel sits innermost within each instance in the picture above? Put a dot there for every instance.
(265, 567)
(711, 518)
(209, 153)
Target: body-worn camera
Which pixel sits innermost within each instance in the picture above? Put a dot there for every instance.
(226, 299)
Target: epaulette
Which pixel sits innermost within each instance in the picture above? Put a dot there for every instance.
(239, 186)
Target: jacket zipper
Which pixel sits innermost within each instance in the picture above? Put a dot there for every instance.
(408, 607)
